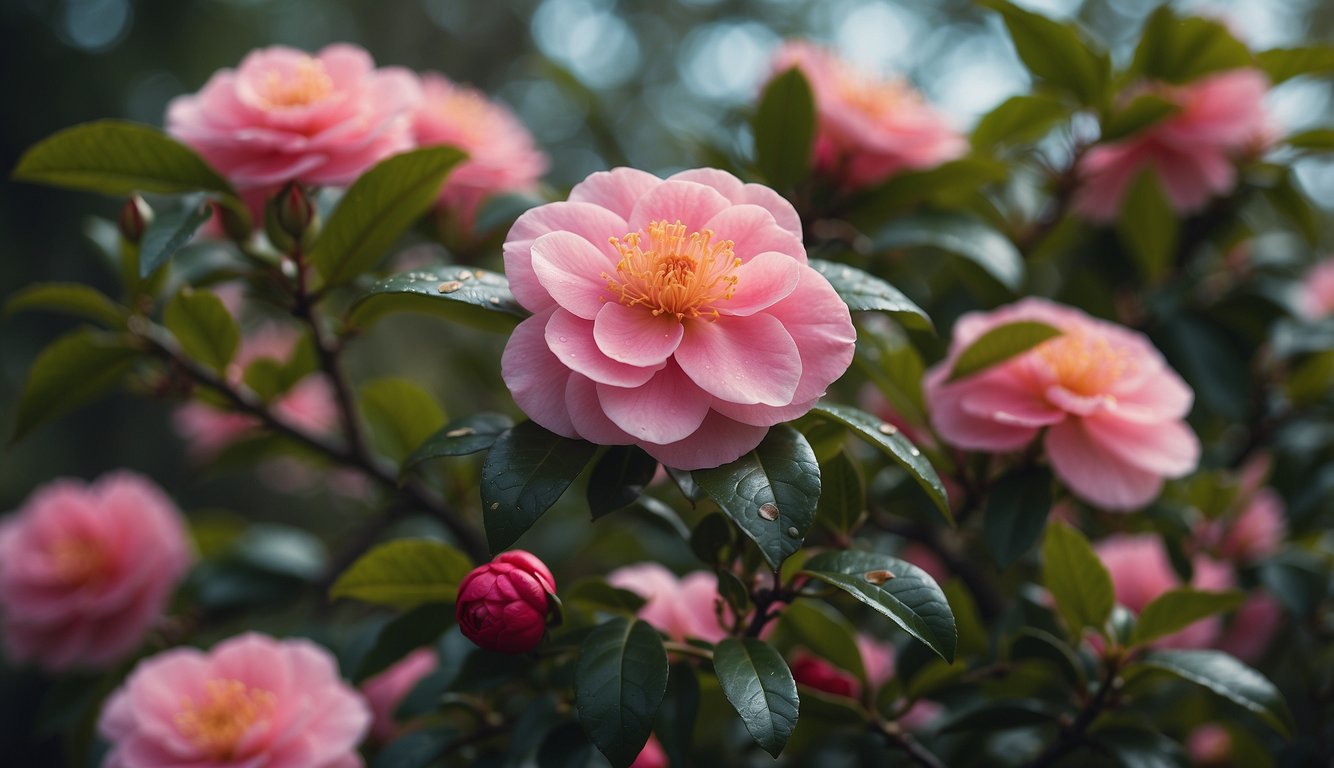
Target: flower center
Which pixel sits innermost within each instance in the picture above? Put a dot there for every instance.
(467, 113)
(678, 274)
(1085, 364)
(307, 85)
(77, 560)
(869, 95)
(230, 710)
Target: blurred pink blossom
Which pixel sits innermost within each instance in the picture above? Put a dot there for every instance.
(385, 691)
(1209, 745)
(502, 156)
(1317, 292)
(86, 569)
(1141, 571)
(652, 755)
(869, 128)
(681, 608)
(1193, 152)
(679, 315)
(251, 701)
(1252, 627)
(1109, 410)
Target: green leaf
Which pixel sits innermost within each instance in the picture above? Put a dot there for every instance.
(1076, 578)
(404, 573)
(1056, 53)
(842, 504)
(1032, 643)
(891, 442)
(619, 683)
(269, 377)
(1316, 139)
(825, 632)
(113, 157)
(784, 127)
(1179, 50)
(676, 718)
(378, 207)
(1286, 63)
(416, 749)
(618, 478)
(759, 685)
(1286, 195)
(169, 231)
(1227, 677)
(771, 492)
(565, 747)
(70, 299)
(1139, 747)
(896, 588)
(960, 234)
(283, 550)
(1001, 715)
(73, 371)
(711, 538)
(1179, 608)
(203, 326)
(1148, 227)
(1019, 120)
(1142, 111)
(401, 415)
(864, 292)
(943, 183)
(1000, 344)
(526, 471)
(473, 297)
(461, 437)
(1016, 513)
(419, 627)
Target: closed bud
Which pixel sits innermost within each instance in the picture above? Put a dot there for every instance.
(503, 605)
(135, 216)
(289, 216)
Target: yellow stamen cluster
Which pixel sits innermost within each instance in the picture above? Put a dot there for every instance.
(309, 84)
(679, 274)
(872, 96)
(230, 710)
(1086, 364)
(77, 560)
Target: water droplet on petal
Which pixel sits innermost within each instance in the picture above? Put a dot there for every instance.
(878, 577)
(888, 429)
(769, 511)
(450, 287)
(563, 339)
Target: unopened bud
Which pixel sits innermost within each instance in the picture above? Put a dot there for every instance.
(289, 216)
(135, 216)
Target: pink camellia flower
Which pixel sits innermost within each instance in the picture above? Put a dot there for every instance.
(681, 608)
(652, 755)
(1253, 627)
(679, 315)
(503, 605)
(1141, 571)
(1111, 409)
(251, 701)
(85, 570)
(284, 115)
(1257, 525)
(1317, 291)
(1192, 153)
(386, 691)
(869, 128)
(502, 156)
(814, 672)
(1210, 745)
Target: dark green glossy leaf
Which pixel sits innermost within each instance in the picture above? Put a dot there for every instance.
(759, 685)
(1000, 344)
(619, 683)
(379, 206)
(961, 234)
(169, 231)
(1316, 139)
(842, 495)
(1286, 63)
(711, 538)
(1227, 677)
(1016, 512)
(1001, 715)
(404, 573)
(74, 370)
(565, 747)
(1056, 53)
(821, 629)
(618, 478)
(1287, 196)
(203, 326)
(896, 588)
(771, 492)
(1179, 50)
(420, 627)
(1019, 120)
(402, 416)
(1148, 227)
(461, 437)
(864, 292)
(1139, 748)
(526, 471)
(893, 444)
(675, 725)
(1178, 608)
(70, 299)
(1032, 643)
(474, 297)
(784, 128)
(1142, 111)
(1076, 578)
(416, 749)
(941, 184)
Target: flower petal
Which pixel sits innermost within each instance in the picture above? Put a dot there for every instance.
(1167, 448)
(591, 222)
(753, 194)
(962, 429)
(616, 190)
(819, 322)
(571, 269)
(687, 202)
(570, 339)
(763, 415)
(762, 282)
(745, 360)
(665, 409)
(1008, 401)
(1096, 474)
(536, 377)
(752, 231)
(581, 400)
(717, 441)
(632, 335)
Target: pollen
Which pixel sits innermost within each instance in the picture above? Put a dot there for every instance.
(77, 560)
(672, 272)
(1086, 364)
(228, 712)
(872, 96)
(308, 84)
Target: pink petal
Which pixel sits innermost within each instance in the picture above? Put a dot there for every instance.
(745, 360)
(819, 322)
(1008, 401)
(591, 222)
(762, 282)
(581, 400)
(1094, 473)
(691, 204)
(752, 231)
(616, 190)
(570, 339)
(1167, 448)
(717, 441)
(535, 377)
(753, 194)
(665, 409)
(571, 270)
(632, 335)
(762, 415)
(962, 429)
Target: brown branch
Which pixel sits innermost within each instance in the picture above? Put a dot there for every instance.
(901, 739)
(1074, 735)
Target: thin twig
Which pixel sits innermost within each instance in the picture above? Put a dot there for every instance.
(1074, 735)
(910, 746)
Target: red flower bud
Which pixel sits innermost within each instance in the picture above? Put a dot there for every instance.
(134, 218)
(502, 606)
(289, 217)
(819, 674)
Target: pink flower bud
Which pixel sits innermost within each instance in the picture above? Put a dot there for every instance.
(814, 672)
(291, 212)
(503, 605)
(134, 218)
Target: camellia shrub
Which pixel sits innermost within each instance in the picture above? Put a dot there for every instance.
(1061, 497)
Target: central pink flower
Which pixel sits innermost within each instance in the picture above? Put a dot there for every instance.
(679, 315)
